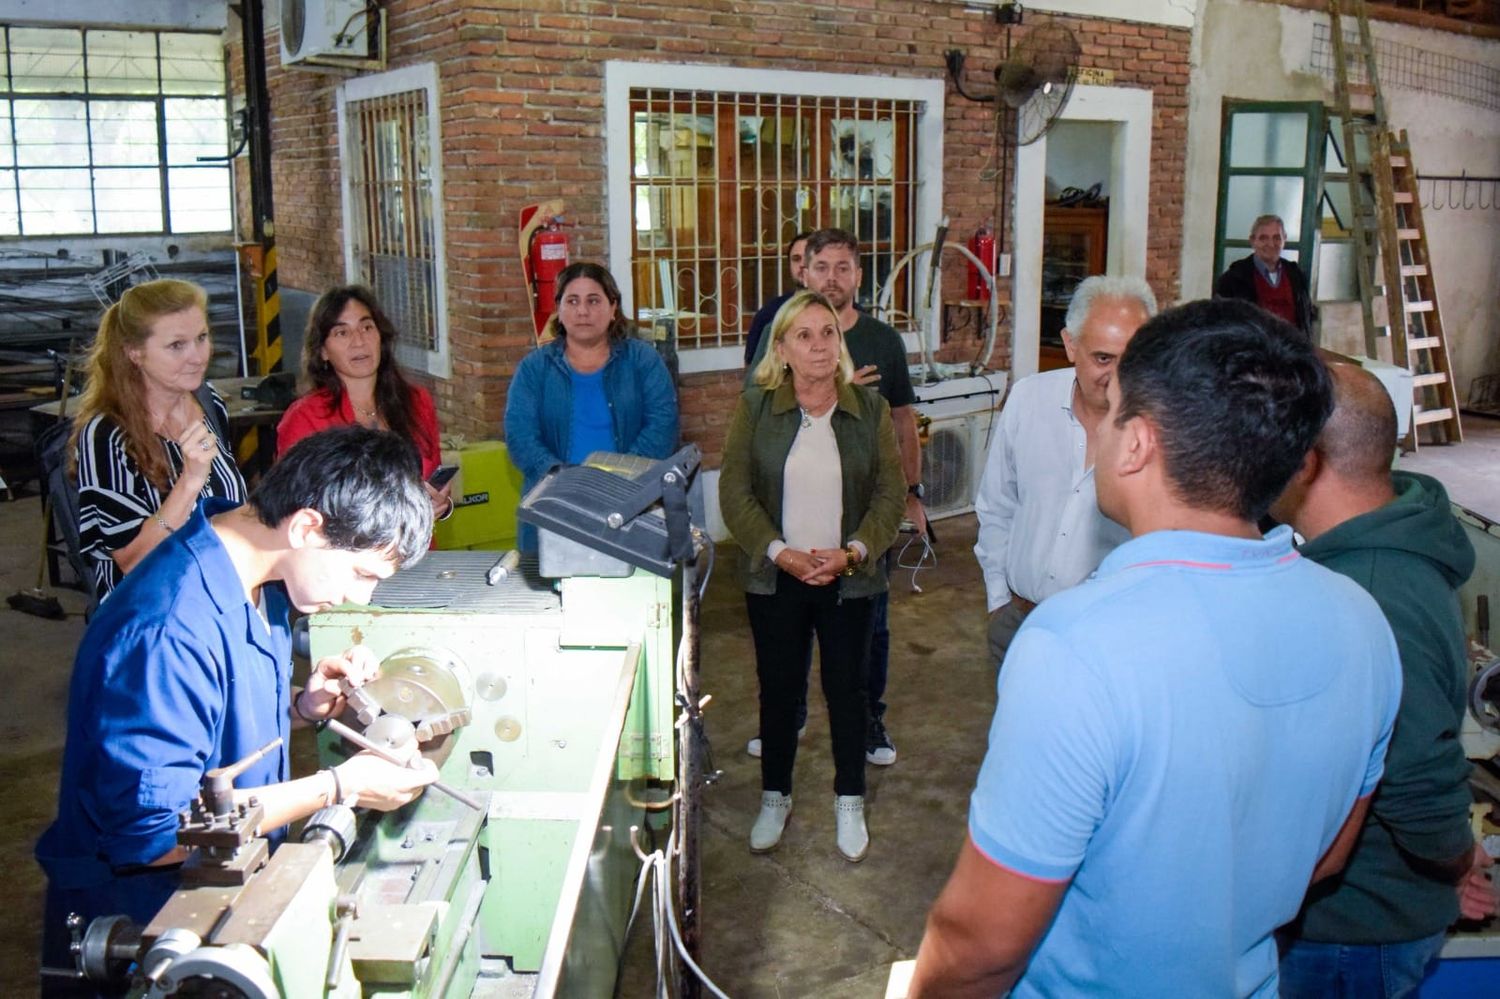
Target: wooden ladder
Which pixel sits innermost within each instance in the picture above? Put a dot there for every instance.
(1397, 297)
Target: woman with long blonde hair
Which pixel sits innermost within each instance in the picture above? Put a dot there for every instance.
(812, 490)
(143, 442)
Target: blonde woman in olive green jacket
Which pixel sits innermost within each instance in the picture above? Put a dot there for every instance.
(813, 491)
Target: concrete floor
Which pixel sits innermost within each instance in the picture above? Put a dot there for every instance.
(798, 922)
(1471, 470)
(36, 658)
(802, 921)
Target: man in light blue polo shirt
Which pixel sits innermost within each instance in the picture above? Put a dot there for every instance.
(1185, 742)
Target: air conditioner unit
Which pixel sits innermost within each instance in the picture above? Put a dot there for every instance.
(963, 412)
(311, 29)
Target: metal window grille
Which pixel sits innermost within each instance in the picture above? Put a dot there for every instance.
(721, 181)
(395, 248)
(101, 130)
(1411, 68)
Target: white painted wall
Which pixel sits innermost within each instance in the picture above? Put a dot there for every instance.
(194, 15)
(1257, 51)
(1175, 13)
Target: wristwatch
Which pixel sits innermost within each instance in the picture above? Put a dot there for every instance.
(851, 561)
(919, 491)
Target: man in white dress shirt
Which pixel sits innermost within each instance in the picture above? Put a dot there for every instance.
(1040, 529)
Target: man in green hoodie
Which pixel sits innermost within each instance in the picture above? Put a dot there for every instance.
(1374, 929)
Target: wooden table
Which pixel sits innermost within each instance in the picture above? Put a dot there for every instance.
(246, 417)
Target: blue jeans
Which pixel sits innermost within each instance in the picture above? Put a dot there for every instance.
(1311, 970)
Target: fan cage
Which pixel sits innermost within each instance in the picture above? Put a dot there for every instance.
(948, 468)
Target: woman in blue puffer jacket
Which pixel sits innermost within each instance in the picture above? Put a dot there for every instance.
(590, 388)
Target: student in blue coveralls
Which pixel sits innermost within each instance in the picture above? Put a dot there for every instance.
(1184, 742)
(187, 667)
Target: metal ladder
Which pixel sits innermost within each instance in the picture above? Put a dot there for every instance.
(1396, 293)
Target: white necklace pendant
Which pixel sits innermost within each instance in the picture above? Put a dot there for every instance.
(806, 420)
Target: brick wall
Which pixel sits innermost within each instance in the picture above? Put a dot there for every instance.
(523, 121)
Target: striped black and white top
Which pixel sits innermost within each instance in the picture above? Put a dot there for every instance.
(115, 498)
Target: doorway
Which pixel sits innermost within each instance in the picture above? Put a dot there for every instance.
(1125, 112)
(1075, 222)
(1270, 163)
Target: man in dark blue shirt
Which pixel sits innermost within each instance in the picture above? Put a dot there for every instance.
(187, 667)
(796, 256)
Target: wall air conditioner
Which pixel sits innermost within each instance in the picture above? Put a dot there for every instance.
(313, 29)
(951, 465)
(964, 411)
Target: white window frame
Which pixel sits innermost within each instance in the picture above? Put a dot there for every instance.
(620, 78)
(424, 77)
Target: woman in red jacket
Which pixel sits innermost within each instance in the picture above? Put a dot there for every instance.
(349, 368)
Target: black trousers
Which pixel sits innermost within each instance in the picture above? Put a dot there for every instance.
(138, 896)
(783, 625)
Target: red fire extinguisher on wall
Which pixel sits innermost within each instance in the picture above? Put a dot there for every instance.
(546, 258)
(983, 247)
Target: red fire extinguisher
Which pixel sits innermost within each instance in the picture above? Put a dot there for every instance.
(548, 256)
(983, 247)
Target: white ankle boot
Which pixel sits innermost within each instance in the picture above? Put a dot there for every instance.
(775, 809)
(853, 837)
(753, 747)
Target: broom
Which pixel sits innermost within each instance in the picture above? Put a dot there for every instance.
(36, 601)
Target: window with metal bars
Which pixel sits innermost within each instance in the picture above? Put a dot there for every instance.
(720, 181)
(100, 132)
(393, 241)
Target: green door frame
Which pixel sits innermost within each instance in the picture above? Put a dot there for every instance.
(1311, 173)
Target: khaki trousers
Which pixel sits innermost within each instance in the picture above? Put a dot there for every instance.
(1004, 624)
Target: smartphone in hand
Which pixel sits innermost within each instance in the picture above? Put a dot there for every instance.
(442, 475)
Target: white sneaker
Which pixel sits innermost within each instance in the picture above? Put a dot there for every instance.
(775, 809)
(853, 837)
(879, 749)
(753, 746)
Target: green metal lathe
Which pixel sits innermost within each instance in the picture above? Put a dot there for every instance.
(558, 699)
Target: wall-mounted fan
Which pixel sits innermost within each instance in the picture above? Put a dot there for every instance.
(1033, 82)
(1036, 78)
